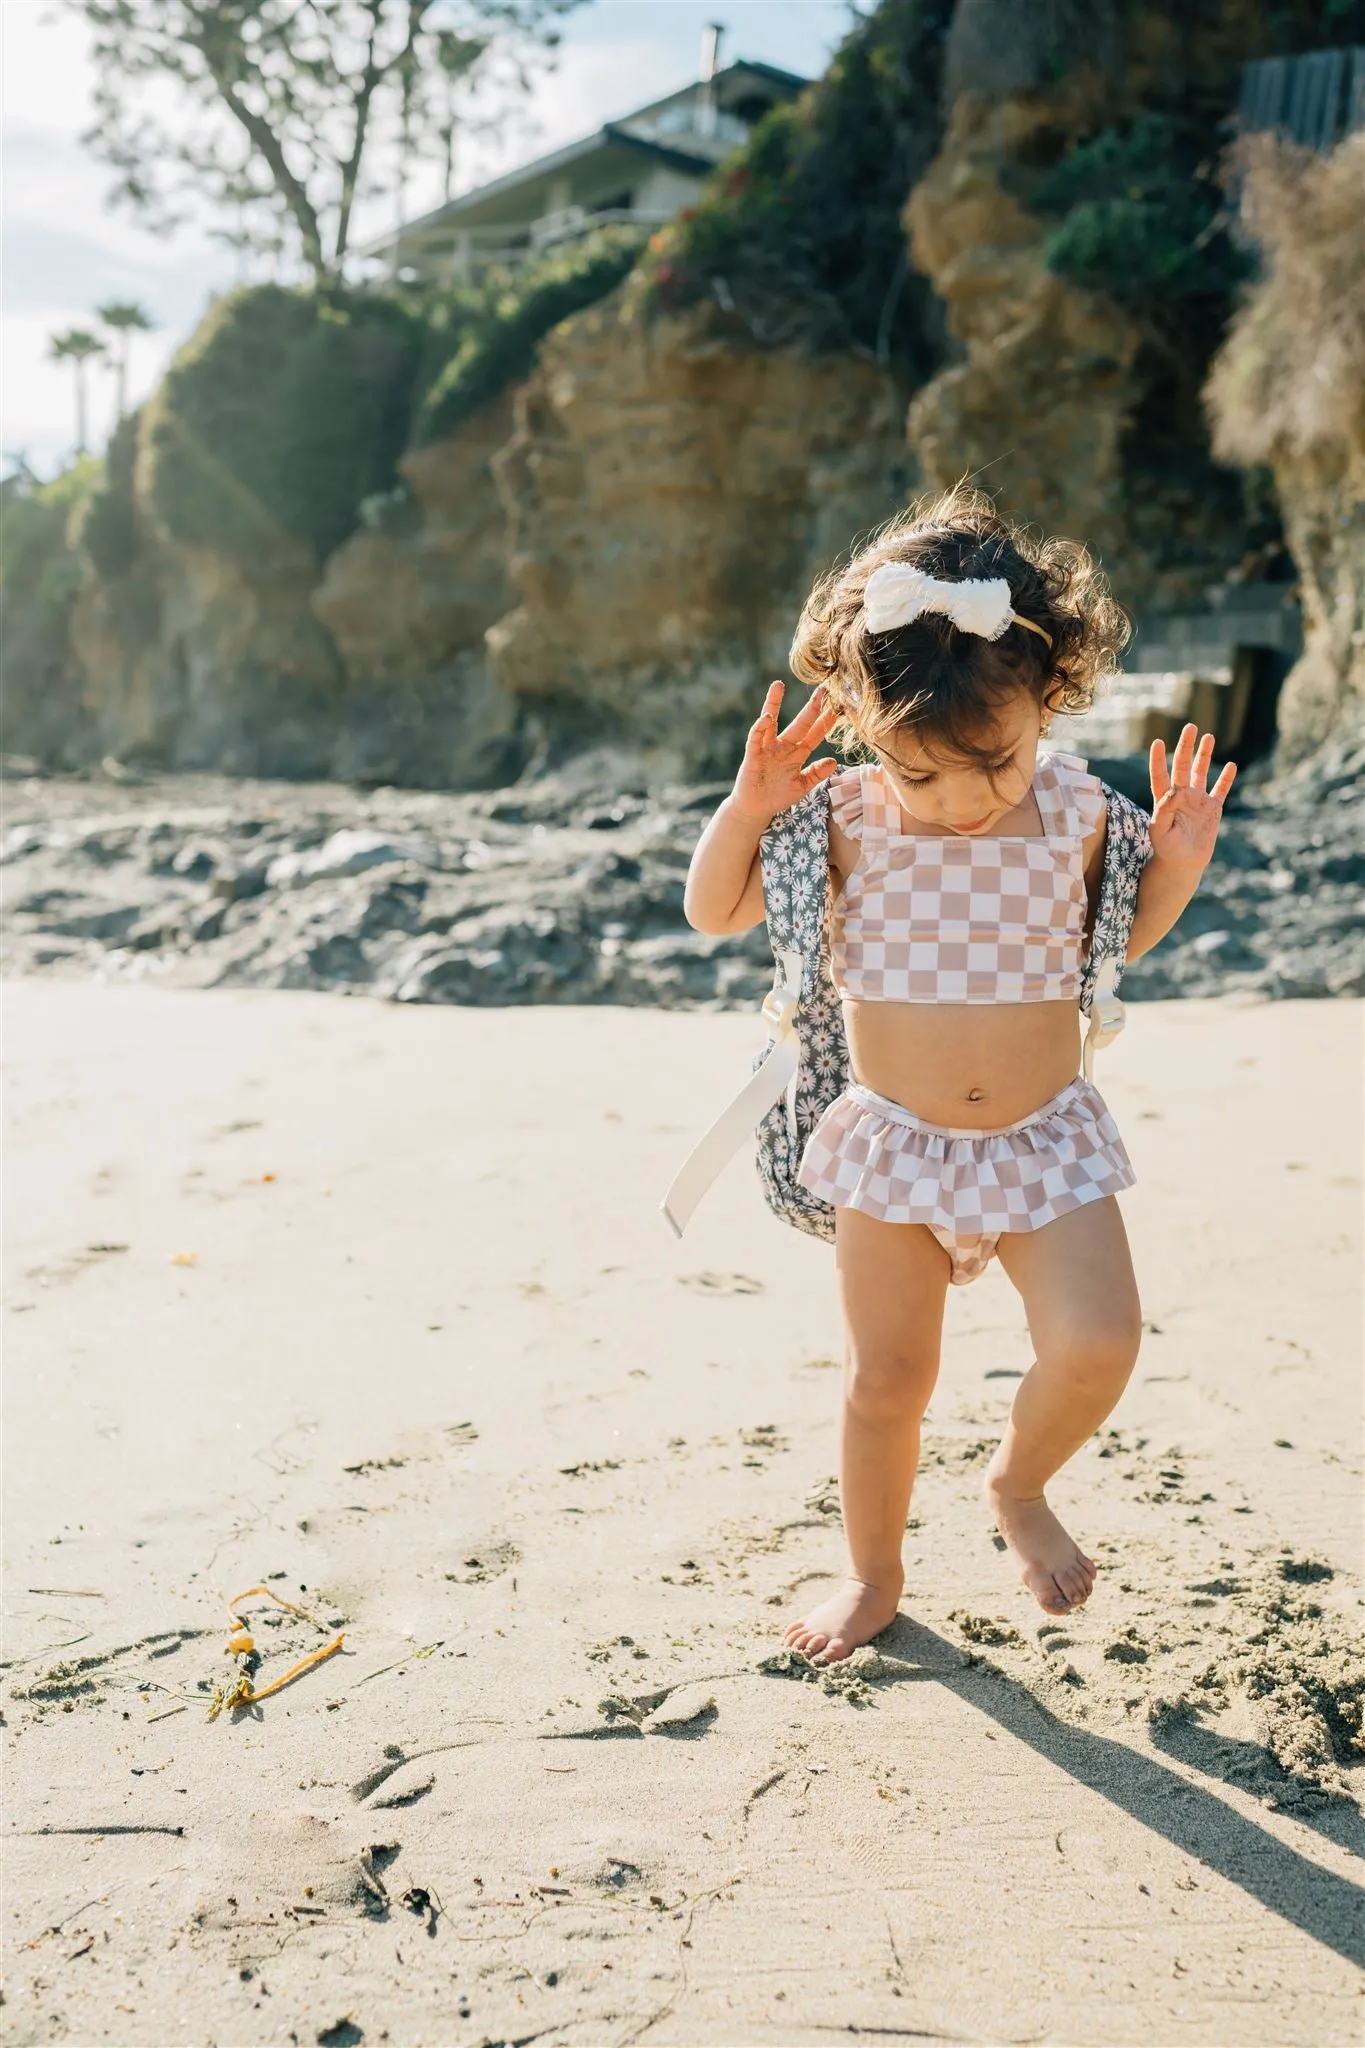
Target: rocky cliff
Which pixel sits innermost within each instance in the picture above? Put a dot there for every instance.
(1289, 390)
(670, 493)
(407, 607)
(193, 658)
(1039, 402)
(334, 545)
(250, 601)
(1071, 225)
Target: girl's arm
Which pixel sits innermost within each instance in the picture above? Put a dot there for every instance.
(724, 882)
(1184, 830)
(724, 890)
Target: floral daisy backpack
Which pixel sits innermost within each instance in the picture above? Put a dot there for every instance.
(804, 1066)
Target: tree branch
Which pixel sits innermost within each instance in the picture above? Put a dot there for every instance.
(288, 186)
(306, 87)
(370, 80)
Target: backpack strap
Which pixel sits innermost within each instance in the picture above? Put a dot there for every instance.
(794, 858)
(1107, 1015)
(741, 1116)
(1127, 850)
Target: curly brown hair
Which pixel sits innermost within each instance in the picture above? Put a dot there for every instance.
(928, 677)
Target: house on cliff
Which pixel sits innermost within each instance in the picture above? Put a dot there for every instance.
(640, 170)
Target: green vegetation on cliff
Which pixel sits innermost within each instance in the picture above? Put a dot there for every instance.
(40, 579)
(799, 235)
(105, 524)
(1143, 217)
(500, 329)
(287, 411)
(278, 417)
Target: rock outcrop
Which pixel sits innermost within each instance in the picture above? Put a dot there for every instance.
(370, 667)
(258, 595)
(407, 607)
(1040, 401)
(1289, 390)
(670, 495)
(565, 888)
(1079, 406)
(193, 659)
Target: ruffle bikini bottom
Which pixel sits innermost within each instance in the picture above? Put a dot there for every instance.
(968, 1187)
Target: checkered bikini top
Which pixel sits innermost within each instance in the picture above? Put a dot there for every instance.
(943, 920)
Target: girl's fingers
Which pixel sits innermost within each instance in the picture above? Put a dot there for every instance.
(772, 704)
(1161, 780)
(818, 771)
(763, 731)
(1199, 775)
(807, 718)
(1224, 783)
(1184, 756)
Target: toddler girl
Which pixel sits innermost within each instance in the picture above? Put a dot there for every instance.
(964, 869)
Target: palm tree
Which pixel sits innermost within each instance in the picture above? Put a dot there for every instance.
(76, 346)
(126, 318)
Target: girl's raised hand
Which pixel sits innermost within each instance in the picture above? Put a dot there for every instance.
(1187, 815)
(774, 775)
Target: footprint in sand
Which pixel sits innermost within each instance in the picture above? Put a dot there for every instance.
(604, 1652)
(765, 1439)
(489, 1561)
(1128, 1648)
(720, 1283)
(405, 1788)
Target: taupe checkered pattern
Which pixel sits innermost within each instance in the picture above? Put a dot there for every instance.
(924, 919)
(968, 1187)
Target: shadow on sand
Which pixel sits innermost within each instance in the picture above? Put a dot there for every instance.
(1253, 1768)
(1320, 1904)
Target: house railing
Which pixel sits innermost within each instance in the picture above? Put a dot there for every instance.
(567, 223)
(1315, 100)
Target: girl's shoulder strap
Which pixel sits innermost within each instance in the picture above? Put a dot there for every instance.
(863, 804)
(857, 801)
(1070, 799)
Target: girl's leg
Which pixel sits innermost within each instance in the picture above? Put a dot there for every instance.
(893, 1278)
(1076, 1279)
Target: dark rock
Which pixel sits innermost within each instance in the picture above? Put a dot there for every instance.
(110, 925)
(150, 933)
(237, 883)
(339, 958)
(196, 861)
(206, 923)
(511, 897)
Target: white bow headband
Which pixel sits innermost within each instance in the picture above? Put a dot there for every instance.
(898, 592)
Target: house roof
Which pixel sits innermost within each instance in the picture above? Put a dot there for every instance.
(619, 135)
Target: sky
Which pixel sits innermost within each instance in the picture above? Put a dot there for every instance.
(63, 251)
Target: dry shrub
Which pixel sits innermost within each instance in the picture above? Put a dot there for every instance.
(1289, 382)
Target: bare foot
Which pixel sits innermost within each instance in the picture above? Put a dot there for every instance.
(847, 1620)
(1056, 1571)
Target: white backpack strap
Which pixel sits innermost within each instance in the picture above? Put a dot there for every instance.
(739, 1119)
(1107, 1017)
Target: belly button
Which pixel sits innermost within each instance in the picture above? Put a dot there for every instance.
(976, 1095)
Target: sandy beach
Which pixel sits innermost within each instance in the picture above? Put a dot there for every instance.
(373, 1305)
